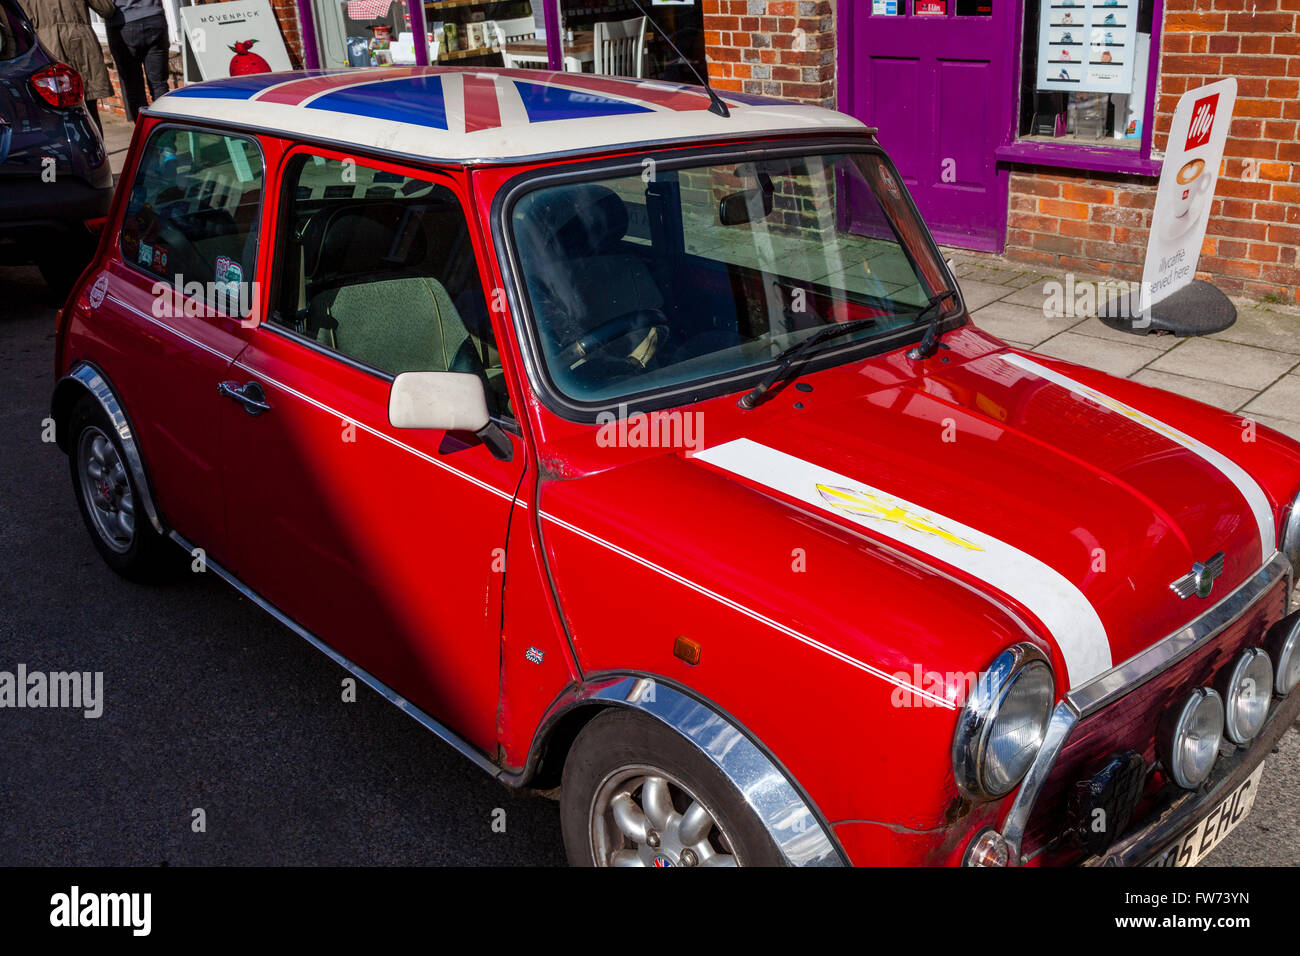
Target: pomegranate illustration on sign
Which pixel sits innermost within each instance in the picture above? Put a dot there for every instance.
(245, 62)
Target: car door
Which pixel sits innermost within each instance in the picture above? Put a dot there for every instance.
(181, 281)
(385, 543)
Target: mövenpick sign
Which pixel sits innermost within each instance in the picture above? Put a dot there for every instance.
(1186, 190)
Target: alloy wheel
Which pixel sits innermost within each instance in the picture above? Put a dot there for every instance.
(106, 489)
(641, 816)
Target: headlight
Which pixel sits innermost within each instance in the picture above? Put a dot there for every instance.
(1003, 723)
(1289, 543)
(1283, 643)
(1247, 690)
(1190, 737)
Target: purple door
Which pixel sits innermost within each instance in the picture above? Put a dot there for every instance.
(933, 75)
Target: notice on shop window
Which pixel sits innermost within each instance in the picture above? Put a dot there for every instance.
(1087, 45)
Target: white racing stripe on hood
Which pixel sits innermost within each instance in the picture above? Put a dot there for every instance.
(1059, 604)
(1249, 488)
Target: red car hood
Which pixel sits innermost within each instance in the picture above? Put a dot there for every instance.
(1073, 508)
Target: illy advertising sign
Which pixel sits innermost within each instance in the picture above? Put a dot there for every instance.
(1187, 181)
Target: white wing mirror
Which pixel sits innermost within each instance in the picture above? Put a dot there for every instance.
(451, 401)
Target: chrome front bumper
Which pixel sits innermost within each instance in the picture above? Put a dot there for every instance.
(1181, 814)
(1128, 676)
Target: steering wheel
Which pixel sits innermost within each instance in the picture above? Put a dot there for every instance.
(608, 332)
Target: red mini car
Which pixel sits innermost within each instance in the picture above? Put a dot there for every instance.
(638, 444)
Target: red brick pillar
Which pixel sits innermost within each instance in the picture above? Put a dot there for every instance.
(783, 48)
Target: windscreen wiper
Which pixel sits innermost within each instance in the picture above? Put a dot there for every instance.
(930, 341)
(794, 353)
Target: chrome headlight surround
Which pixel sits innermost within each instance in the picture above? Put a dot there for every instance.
(1022, 670)
(1190, 736)
(1247, 691)
(1289, 537)
(1283, 644)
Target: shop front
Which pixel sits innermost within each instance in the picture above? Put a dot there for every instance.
(585, 36)
(1037, 128)
(965, 91)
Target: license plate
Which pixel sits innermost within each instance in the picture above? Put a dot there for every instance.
(1193, 846)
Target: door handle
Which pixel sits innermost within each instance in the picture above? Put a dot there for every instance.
(250, 395)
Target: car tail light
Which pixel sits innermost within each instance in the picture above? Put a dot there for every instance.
(59, 85)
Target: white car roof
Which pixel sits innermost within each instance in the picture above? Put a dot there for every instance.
(466, 114)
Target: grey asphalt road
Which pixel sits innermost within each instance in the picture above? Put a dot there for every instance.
(208, 702)
(211, 705)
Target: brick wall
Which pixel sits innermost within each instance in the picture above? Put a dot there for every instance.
(1099, 223)
(782, 48)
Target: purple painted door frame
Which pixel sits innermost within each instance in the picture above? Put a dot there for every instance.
(942, 91)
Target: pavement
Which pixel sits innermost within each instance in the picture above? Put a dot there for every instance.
(117, 139)
(1252, 368)
(210, 705)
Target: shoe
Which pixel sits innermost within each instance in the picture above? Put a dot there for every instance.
(1064, 74)
(1109, 38)
(1065, 54)
(1067, 19)
(1066, 38)
(1109, 21)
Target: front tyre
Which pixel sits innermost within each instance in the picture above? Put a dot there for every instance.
(636, 793)
(110, 502)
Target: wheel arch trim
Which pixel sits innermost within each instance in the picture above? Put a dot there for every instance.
(85, 377)
(800, 832)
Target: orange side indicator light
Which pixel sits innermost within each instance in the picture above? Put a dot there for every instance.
(687, 650)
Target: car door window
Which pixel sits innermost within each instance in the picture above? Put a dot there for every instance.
(192, 217)
(378, 266)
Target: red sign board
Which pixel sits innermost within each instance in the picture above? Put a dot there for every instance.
(930, 8)
(1198, 130)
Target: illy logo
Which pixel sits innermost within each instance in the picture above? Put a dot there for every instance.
(1198, 131)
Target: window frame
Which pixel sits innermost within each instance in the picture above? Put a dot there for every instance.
(139, 155)
(441, 176)
(1102, 159)
(683, 394)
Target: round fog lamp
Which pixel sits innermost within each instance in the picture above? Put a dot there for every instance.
(1247, 694)
(1284, 642)
(1190, 744)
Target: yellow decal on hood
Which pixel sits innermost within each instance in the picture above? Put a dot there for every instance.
(867, 505)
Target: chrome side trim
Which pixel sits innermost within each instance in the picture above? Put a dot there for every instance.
(92, 381)
(797, 830)
(441, 731)
(1119, 680)
(1058, 730)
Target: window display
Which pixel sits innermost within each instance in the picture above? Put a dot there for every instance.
(1085, 71)
(1086, 46)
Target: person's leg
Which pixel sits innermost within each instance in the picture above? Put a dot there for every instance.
(92, 107)
(129, 73)
(155, 51)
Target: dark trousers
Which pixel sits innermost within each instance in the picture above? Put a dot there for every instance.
(139, 49)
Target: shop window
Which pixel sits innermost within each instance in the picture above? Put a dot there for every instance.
(1084, 73)
(615, 38)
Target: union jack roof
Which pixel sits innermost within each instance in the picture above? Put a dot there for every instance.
(467, 114)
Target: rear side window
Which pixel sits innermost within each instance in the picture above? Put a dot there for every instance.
(378, 266)
(14, 38)
(192, 219)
